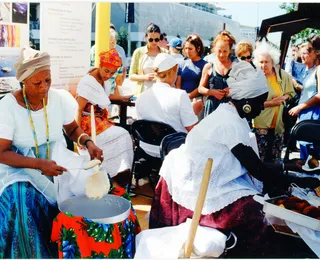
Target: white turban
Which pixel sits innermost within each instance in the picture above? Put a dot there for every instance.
(29, 62)
(164, 61)
(246, 82)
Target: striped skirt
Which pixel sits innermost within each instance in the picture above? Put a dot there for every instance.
(26, 223)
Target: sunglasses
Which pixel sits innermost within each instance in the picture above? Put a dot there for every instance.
(151, 40)
(246, 57)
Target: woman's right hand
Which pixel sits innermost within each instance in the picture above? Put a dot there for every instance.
(219, 94)
(50, 168)
(149, 77)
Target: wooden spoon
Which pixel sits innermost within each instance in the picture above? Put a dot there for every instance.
(98, 183)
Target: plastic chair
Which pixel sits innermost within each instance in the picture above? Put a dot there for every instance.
(308, 131)
(145, 165)
(171, 142)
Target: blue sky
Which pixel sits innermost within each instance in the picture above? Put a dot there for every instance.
(253, 13)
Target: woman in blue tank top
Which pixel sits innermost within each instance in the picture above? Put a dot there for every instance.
(213, 82)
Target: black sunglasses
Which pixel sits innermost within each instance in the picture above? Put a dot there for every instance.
(246, 57)
(151, 40)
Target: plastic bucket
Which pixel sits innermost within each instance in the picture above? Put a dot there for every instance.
(109, 209)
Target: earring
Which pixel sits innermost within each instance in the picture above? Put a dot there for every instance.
(246, 108)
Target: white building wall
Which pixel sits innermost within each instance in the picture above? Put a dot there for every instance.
(248, 33)
(176, 19)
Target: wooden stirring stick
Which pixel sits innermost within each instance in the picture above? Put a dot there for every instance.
(93, 132)
(188, 247)
(93, 125)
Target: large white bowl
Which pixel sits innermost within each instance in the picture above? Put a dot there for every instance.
(109, 209)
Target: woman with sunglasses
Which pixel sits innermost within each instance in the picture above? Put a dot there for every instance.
(308, 107)
(143, 57)
(190, 70)
(268, 126)
(244, 51)
(213, 82)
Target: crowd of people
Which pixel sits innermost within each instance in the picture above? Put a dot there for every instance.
(218, 100)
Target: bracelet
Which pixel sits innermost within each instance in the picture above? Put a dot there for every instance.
(79, 137)
(86, 141)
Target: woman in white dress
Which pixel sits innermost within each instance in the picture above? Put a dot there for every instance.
(32, 154)
(94, 89)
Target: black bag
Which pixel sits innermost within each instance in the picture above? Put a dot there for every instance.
(288, 120)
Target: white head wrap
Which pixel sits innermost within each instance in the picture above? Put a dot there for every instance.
(29, 61)
(246, 82)
(164, 62)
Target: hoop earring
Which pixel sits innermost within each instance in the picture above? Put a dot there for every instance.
(246, 108)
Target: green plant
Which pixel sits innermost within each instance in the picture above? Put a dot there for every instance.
(123, 38)
(304, 34)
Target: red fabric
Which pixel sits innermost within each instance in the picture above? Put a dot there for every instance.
(101, 119)
(86, 244)
(110, 58)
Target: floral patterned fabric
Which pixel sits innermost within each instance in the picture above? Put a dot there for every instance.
(26, 219)
(269, 145)
(101, 119)
(79, 237)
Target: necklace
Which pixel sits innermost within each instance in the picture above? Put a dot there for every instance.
(33, 128)
(35, 109)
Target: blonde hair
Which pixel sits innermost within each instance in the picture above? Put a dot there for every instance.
(266, 48)
(164, 75)
(243, 46)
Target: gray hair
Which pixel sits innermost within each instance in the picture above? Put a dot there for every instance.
(266, 48)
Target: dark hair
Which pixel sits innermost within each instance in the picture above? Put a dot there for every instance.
(315, 41)
(162, 36)
(196, 42)
(153, 28)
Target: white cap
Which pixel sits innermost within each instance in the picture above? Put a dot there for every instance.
(164, 61)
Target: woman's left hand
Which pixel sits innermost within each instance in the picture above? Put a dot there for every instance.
(94, 151)
(295, 110)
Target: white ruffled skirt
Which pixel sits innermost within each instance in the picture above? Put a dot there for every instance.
(117, 147)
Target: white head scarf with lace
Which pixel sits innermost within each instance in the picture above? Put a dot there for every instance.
(246, 82)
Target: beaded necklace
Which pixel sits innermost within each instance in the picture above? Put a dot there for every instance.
(33, 128)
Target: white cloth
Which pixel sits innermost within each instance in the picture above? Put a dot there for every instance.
(178, 57)
(168, 105)
(246, 82)
(163, 103)
(90, 89)
(213, 137)
(164, 62)
(309, 236)
(15, 126)
(117, 147)
(29, 61)
(147, 68)
(167, 243)
(115, 142)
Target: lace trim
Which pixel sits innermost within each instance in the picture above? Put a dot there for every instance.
(211, 205)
